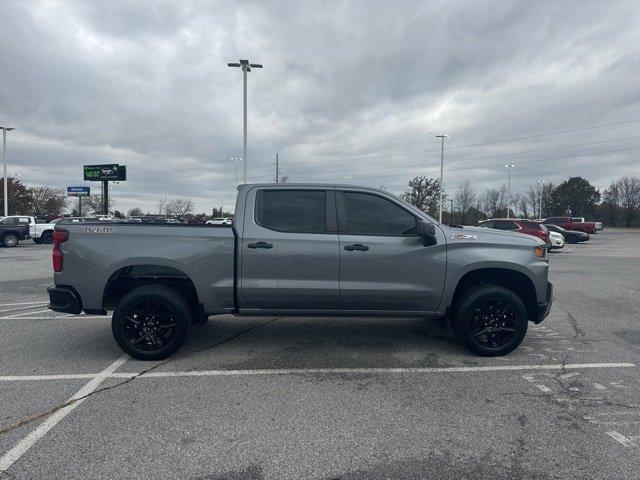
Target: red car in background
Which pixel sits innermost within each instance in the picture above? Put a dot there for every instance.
(517, 225)
(568, 224)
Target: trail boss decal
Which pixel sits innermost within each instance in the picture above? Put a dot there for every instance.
(97, 229)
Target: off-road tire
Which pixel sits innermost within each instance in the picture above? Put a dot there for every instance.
(464, 315)
(174, 302)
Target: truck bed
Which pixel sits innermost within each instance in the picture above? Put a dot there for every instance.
(203, 253)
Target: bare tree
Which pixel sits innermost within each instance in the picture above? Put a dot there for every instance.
(47, 200)
(464, 198)
(95, 202)
(495, 201)
(629, 193)
(523, 204)
(533, 199)
(179, 207)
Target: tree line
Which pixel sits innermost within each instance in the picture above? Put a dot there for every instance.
(618, 205)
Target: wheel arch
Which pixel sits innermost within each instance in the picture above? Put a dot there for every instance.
(513, 279)
(126, 278)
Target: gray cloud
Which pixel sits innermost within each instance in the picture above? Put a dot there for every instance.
(348, 89)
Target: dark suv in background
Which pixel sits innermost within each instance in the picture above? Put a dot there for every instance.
(528, 227)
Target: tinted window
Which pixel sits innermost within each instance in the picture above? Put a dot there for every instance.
(487, 224)
(372, 215)
(531, 225)
(302, 211)
(505, 225)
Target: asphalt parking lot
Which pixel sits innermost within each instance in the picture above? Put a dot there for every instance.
(316, 398)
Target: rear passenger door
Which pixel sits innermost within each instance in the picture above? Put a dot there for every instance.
(384, 264)
(289, 249)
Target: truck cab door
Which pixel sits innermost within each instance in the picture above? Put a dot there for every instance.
(289, 249)
(384, 263)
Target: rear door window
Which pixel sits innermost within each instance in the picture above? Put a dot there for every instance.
(299, 211)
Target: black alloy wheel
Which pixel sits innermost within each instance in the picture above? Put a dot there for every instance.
(152, 321)
(149, 325)
(490, 320)
(494, 323)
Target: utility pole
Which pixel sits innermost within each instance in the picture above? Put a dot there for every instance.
(236, 160)
(451, 215)
(509, 167)
(105, 197)
(4, 159)
(277, 171)
(442, 137)
(246, 67)
(541, 189)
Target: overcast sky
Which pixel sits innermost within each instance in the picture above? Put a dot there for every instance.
(349, 89)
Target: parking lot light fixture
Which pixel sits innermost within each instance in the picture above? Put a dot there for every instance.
(4, 161)
(540, 189)
(246, 67)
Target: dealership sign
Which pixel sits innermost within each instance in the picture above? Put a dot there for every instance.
(111, 171)
(78, 191)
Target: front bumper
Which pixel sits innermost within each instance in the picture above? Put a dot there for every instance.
(544, 307)
(64, 299)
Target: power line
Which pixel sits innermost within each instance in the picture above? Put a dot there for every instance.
(488, 156)
(498, 164)
(491, 142)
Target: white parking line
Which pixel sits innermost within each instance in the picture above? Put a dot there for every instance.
(57, 317)
(307, 371)
(22, 303)
(28, 313)
(22, 308)
(27, 442)
(627, 442)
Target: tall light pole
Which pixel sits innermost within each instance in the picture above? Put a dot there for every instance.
(4, 159)
(540, 182)
(509, 167)
(442, 137)
(246, 67)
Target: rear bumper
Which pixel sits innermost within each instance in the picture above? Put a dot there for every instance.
(544, 307)
(64, 299)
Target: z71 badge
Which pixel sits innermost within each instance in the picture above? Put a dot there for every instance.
(463, 236)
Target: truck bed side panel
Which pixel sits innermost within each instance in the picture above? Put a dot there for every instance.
(94, 252)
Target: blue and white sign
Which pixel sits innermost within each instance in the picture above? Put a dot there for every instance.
(78, 191)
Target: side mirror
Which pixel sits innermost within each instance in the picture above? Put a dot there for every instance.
(427, 231)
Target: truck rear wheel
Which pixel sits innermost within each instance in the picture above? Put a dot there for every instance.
(151, 322)
(490, 320)
(47, 237)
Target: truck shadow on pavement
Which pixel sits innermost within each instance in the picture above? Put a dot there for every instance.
(322, 343)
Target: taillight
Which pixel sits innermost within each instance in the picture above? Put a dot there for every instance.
(59, 236)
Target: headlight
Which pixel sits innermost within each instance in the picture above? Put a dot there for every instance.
(541, 252)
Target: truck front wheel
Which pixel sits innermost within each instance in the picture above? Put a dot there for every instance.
(151, 322)
(490, 320)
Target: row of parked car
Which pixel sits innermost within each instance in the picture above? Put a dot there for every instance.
(555, 231)
(16, 228)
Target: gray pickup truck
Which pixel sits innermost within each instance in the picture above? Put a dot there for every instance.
(302, 249)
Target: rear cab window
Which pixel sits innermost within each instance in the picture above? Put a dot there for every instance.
(295, 211)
